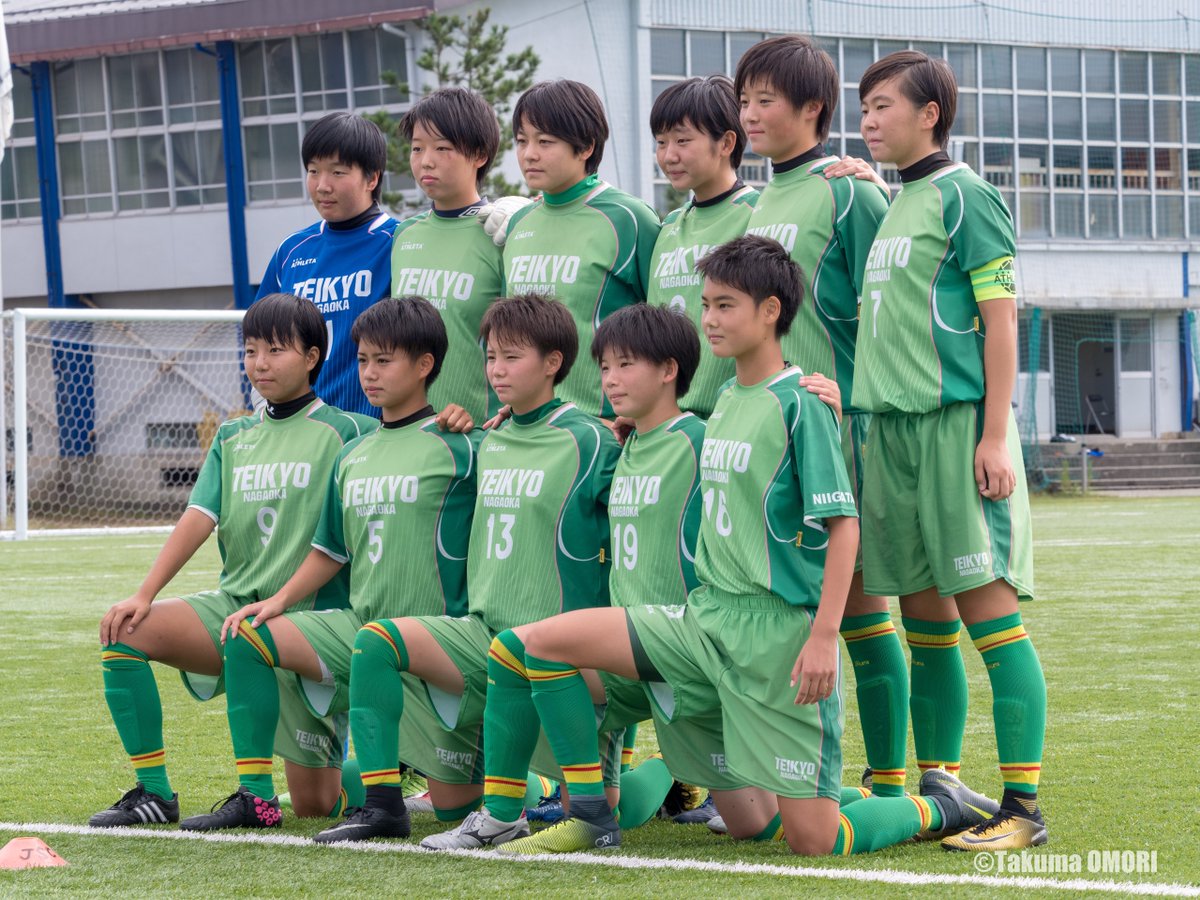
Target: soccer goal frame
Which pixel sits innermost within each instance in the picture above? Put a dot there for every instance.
(197, 367)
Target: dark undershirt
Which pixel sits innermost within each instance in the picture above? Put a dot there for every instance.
(925, 167)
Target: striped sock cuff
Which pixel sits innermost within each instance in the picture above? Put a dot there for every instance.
(544, 671)
(845, 841)
(626, 756)
(931, 635)
(385, 777)
(117, 653)
(923, 810)
(773, 831)
(257, 765)
(1021, 776)
(505, 787)
(583, 774)
(260, 639)
(951, 766)
(996, 633)
(149, 760)
(508, 652)
(385, 630)
(888, 776)
(862, 628)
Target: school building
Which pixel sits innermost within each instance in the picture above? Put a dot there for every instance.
(155, 151)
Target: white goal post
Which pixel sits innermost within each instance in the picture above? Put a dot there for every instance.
(108, 414)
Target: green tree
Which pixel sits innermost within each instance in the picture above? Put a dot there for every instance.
(464, 52)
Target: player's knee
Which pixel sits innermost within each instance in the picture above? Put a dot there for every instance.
(809, 841)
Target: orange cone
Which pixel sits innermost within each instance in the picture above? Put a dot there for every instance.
(28, 853)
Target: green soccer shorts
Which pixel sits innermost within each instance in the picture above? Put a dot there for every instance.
(732, 656)
(924, 522)
(309, 740)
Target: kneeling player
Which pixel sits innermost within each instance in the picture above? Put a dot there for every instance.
(757, 641)
(399, 509)
(264, 533)
(538, 544)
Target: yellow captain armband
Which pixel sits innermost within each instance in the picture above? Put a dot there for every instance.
(601, 556)
(994, 280)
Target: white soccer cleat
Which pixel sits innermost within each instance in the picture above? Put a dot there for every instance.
(479, 829)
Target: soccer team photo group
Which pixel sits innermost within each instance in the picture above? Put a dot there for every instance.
(553, 527)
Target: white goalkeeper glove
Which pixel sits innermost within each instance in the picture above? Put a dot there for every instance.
(495, 216)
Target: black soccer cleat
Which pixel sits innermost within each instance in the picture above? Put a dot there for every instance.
(138, 807)
(961, 807)
(241, 809)
(364, 822)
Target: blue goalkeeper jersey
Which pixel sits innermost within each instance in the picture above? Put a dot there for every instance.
(342, 271)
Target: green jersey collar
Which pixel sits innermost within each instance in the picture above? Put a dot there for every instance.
(536, 415)
(572, 194)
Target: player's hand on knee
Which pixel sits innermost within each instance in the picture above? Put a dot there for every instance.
(495, 216)
(455, 419)
(994, 472)
(126, 615)
(825, 388)
(816, 670)
(260, 611)
(498, 419)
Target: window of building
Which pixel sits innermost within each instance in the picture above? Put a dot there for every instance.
(1081, 143)
(289, 83)
(19, 197)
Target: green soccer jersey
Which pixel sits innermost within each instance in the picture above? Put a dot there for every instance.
(827, 225)
(920, 345)
(654, 514)
(452, 263)
(398, 509)
(263, 483)
(771, 472)
(687, 235)
(589, 247)
(539, 540)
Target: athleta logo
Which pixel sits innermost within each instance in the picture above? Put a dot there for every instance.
(378, 495)
(785, 234)
(795, 769)
(543, 269)
(832, 497)
(972, 564)
(296, 263)
(506, 487)
(720, 457)
(434, 284)
(886, 254)
(333, 294)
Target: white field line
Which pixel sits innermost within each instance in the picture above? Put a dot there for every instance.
(878, 876)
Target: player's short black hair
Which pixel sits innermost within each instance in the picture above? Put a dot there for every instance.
(533, 321)
(463, 118)
(568, 110)
(408, 325)
(708, 104)
(351, 140)
(288, 320)
(760, 267)
(653, 333)
(923, 79)
(795, 67)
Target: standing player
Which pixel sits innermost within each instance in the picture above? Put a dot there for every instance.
(537, 545)
(583, 242)
(399, 506)
(776, 554)
(699, 143)
(262, 488)
(788, 89)
(341, 263)
(443, 254)
(945, 509)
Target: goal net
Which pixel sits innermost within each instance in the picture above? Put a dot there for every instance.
(108, 414)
